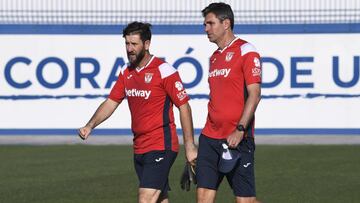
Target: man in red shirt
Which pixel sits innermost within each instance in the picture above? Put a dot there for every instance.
(151, 87)
(234, 81)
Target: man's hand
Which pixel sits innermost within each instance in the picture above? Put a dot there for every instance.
(84, 132)
(191, 153)
(235, 138)
(188, 176)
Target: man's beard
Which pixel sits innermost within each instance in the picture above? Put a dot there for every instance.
(139, 58)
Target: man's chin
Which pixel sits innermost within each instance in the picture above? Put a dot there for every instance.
(211, 39)
(132, 59)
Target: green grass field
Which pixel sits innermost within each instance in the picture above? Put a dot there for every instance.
(78, 173)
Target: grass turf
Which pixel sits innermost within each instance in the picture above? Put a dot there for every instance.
(79, 173)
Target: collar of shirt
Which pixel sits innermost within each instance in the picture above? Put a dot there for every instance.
(222, 50)
(138, 69)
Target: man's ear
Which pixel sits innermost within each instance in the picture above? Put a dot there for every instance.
(147, 45)
(227, 24)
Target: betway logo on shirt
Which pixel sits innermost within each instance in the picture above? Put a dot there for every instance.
(138, 93)
(220, 72)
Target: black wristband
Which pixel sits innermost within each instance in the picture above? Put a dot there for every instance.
(240, 128)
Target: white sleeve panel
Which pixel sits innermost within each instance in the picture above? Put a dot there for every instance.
(166, 70)
(246, 48)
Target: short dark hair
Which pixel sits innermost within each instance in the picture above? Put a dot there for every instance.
(221, 10)
(143, 29)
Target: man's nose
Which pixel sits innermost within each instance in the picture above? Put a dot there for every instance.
(206, 28)
(129, 48)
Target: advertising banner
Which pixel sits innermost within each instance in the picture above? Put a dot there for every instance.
(310, 81)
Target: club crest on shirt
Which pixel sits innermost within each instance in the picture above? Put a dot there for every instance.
(148, 77)
(229, 56)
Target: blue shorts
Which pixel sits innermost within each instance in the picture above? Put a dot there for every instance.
(241, 178)
(153, 169)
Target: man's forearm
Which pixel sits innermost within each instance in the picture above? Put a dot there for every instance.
(103, 112)
(187, 124)
(250, 105)
(249, 111)
(188, 133)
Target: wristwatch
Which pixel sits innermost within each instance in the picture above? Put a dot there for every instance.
(240, 128)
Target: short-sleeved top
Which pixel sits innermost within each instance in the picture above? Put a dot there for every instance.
(231, 70)
(151, 92)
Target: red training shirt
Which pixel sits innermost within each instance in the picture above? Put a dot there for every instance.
(231, 70)
(151, 92)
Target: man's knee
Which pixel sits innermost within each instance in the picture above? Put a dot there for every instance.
(148, 195)
(163, 198)
(246, 200)
(205, 195)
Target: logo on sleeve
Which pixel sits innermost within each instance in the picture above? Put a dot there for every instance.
(182, 93)
(213, 60)
(178, 85)
(256, 71)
